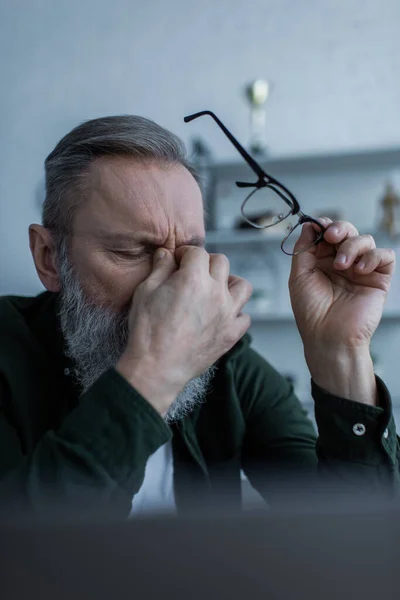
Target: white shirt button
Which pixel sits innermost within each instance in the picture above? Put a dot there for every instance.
(67, 372)
(359, 429)
(386, 434)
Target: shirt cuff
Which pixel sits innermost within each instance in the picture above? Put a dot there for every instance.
(353, 431)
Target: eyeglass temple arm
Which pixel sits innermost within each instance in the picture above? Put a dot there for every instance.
(250, 161)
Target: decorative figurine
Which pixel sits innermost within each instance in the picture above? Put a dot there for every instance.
(257, 94)
(390, 202)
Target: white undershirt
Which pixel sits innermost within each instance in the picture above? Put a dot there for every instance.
(156, 494)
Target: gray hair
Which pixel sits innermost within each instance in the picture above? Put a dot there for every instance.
(68, 164)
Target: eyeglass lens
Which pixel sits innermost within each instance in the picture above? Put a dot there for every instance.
(265, 207)
(267, 203)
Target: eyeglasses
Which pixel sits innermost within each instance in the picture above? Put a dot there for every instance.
(273, 198)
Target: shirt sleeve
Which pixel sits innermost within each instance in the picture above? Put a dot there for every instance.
(357, 442)
(356, 450)
(95, 460)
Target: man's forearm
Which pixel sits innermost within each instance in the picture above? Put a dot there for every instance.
(345, 373)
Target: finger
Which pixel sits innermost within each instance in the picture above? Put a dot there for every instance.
(306, 237)
(240, 291)
(219, 267)
(338, 231)
(325, 221)
(232, 280)
(241, 325)
(335, 231)
(380, 259)
(192, 257)
(164, 266)
(305, 249)
(308, 233)
(352, 249)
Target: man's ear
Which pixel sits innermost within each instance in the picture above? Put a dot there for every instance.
(43, 251)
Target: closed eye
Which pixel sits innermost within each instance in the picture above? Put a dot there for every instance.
(125, 254)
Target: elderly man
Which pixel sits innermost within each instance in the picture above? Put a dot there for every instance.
(130, 384)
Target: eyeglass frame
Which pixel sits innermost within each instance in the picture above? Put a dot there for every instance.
(265, 180)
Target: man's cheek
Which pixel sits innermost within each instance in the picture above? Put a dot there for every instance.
(138, 274)
(124, 284)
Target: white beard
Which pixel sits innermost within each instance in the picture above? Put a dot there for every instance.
(96, 338)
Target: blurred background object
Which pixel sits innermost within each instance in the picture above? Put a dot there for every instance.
(257, 94)
(202, 158)
(390, 203)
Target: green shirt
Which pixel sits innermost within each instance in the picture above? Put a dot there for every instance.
(88, 451)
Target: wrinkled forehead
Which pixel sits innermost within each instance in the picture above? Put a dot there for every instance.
(140, 195)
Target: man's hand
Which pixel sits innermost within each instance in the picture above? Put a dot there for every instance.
(183, 318)
(338, 289)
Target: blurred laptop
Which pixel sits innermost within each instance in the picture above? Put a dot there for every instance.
(322, 555)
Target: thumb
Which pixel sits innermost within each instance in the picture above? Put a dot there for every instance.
(163, 266)
(304, 258)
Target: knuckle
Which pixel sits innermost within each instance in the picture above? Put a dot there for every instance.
(249, 287)
(200, 251)
(223, 259)
(369, 238)
(348, 228)
(196, 251)
(246, 286)
(343, 225)
(388, 254)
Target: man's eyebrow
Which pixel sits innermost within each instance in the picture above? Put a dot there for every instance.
(145, 240)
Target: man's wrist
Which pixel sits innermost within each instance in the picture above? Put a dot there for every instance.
(346, 373)
(148, 380)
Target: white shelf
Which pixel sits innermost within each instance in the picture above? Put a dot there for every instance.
(235, 237)
(299, 163)
(242, 236)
